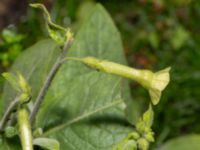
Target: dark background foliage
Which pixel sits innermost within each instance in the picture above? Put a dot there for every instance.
(155, 34)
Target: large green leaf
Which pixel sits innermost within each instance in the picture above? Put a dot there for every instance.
(83, 108)
(188, 142)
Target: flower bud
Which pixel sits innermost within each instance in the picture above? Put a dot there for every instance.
(143, 144)
(126, 145)
(24, 85)
(134, 135)
(149, 136)
(10, 132)
(130, 145)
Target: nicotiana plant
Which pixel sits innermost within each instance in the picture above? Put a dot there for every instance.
(69, 93)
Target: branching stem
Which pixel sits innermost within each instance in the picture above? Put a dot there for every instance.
(49, 80)
(8, 112)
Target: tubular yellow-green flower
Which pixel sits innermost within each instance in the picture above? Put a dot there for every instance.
(154, 82)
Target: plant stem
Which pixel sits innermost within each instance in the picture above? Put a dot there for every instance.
(25, 129)
(48, 81)
(8, 112)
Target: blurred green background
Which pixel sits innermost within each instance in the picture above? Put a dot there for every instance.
(155, 34)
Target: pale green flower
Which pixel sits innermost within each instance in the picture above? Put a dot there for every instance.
(158, 84)
(155, 83)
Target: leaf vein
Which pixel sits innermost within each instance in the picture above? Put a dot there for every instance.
(81, 117)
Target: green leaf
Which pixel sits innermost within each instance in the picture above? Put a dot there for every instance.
(126, 145)
(148, 117)
(179, 37)
(25, 88)
(47, 143)
(83, 108)
(154, 39)
(188, 142)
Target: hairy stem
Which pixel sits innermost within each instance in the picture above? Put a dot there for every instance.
(25, 129)
(8, 112)
(48, 81)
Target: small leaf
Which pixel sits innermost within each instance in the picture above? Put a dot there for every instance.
(18, 83)
(143, 144)
(148, 117)
(149, 136)
(154, 39)
(37, 132)
(143, 126)
(126, 145)
(24, 98)
(23, 84)
(47, 143)
(12, 80)
(179, 37)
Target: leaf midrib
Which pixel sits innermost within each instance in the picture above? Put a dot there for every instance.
(81, 117)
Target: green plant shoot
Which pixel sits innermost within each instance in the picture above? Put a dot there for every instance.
(56, 32)
(20, 84)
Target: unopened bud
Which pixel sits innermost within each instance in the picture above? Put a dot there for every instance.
(10, 131)
(143, 144)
